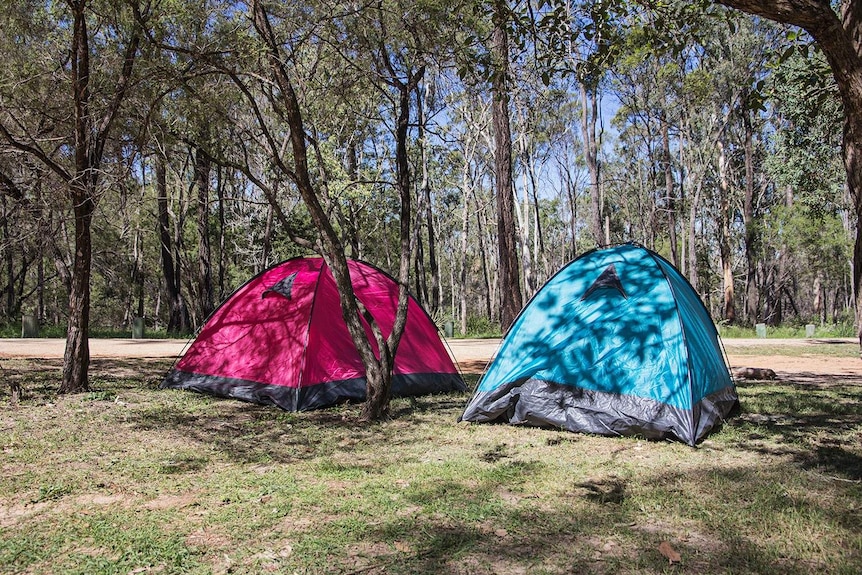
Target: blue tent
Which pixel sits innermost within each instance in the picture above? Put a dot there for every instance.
(616, 343)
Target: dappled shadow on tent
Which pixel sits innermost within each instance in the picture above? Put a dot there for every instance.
(616, 333)
(618, 343)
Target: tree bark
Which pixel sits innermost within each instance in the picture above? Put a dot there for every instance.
(378, 371)
(90, 139)
(178, 315)
(482, 226)
(8, 260)
(426, 213)
(205, 280)
(692, 237)
(511, 299)
(76, 358)
(729, 309)
(465, 228)
(222, 265)
(589, 116)
(751, 288)
(669, 191)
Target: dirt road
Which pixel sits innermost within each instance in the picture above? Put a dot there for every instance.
(473, 354)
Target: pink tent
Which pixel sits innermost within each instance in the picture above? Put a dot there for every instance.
(280, 340)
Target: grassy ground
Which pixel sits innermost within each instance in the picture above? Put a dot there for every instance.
(129, 479)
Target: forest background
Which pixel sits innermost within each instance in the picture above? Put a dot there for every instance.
(705, 134)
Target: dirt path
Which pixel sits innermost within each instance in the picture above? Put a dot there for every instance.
(473, 355)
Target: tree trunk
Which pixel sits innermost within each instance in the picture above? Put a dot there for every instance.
(206, 300)
(692, 237)
(76, 359)
(46, 218)
(510, 288)
(8, 260)
(351, 222)
(572, 197)
(178, 315)
(378, 371)
(729, 310)
(426, 211)
(89, 147)
(751, 291)
(481, 227)
(589, 116)
(378, 391)
(465, 228)
(267, 239)
(670, 196)
(221, 232)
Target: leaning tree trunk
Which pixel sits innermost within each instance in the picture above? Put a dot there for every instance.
(378, 371)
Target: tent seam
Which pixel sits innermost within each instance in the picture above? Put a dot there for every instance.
(682, 330)
(299, 385)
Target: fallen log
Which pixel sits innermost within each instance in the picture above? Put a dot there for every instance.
(761, 373)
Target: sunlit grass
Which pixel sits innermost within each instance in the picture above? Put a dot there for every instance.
(130, 479)
(802, 349)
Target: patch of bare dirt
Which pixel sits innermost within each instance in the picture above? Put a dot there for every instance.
(11, 515)
(172, 501)
(209, 538)
(805, 368)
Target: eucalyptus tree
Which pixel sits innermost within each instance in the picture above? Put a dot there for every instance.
(304, 50)
(807, 225)
(72, 145)
(836, 31)
(470, 133)
(692, 114)
(509, 276)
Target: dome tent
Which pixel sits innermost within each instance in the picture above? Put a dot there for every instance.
(280, 340)
(616, 343)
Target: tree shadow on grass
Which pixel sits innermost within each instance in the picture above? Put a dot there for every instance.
(582, 532)
(40, 378)
(252, 433)
(816, 420)
(481, 523)
(243, 432)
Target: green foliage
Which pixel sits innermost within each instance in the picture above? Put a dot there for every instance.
(843, 329)
(806, 154)
(693, 67)
(480, 326)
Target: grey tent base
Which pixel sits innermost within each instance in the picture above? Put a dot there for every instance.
(313, 396)
(548, 404)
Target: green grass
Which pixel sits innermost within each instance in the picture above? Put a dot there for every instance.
(130, 479)
(789, 331)
(821, 348)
